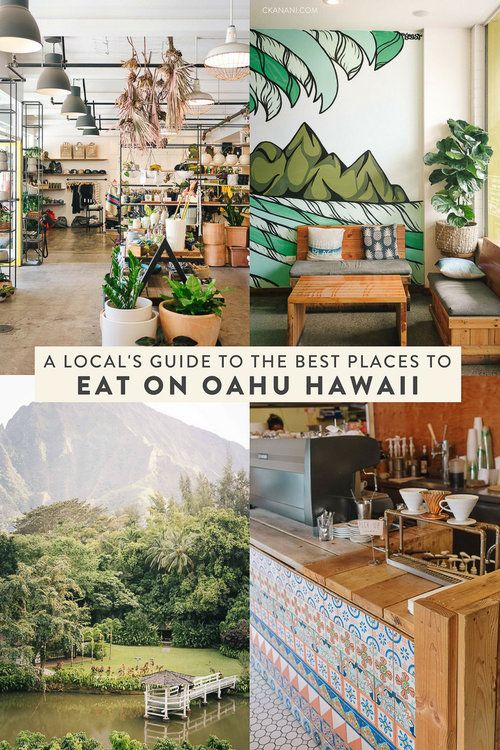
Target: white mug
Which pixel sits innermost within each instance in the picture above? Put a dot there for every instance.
(460, 506)
(412, 497)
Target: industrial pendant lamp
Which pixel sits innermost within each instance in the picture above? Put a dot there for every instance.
(199, 101)
(87, 121)
(19, 32)
(53, 81)
(74, 105)
(229, 61)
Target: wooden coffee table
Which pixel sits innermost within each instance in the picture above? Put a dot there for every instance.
(345, 290)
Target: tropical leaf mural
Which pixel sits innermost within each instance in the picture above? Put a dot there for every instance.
(287, 62)
(296, 77)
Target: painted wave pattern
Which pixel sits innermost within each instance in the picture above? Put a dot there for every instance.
(273, 235)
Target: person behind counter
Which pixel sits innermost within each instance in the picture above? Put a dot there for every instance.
(275, 423)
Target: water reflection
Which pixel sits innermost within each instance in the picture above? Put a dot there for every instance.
(98, 715)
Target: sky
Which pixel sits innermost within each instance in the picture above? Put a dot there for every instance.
(229, 421)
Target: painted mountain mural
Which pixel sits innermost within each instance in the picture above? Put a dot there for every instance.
(304, 169)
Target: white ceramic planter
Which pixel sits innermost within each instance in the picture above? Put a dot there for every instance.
(145, 222)
(136, 224)
(143, 311)
(119, 333)
(175, 231)
(232, 179)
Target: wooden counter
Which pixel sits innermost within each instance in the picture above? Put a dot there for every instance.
(344, 568)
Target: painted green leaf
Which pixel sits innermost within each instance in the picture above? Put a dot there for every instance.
(320, 66)
(342, 49)
(389, 45)
(274, 71)
(366, 41)
(265, 93)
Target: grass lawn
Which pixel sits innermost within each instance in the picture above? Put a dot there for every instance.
(193, 661)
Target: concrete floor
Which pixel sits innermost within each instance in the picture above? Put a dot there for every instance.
(58, 303)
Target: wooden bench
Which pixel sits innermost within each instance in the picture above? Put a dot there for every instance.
(478, 335)
(352, 250)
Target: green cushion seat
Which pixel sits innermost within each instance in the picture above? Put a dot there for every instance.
(362, 267)
(465, 297)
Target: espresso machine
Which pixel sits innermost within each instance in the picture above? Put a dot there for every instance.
(299, 478)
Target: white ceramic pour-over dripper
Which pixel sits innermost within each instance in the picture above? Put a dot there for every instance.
(460, 506)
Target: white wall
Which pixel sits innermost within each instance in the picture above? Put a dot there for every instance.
(447, 93)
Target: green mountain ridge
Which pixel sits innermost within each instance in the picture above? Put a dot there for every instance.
(304, 169)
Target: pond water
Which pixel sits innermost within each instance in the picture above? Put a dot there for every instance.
(55, 714)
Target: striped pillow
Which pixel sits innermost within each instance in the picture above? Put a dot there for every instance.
(324, 243)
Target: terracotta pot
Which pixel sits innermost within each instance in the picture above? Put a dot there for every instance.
(237, 236)
(215, 255)
(239, 257)
(213, 234)
(204, 329)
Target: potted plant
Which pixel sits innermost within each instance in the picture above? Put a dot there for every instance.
(127, 316)
(6, 288)
(236, 234)
(462, 161)
(193, 310)
(33, 156)
(4, 218)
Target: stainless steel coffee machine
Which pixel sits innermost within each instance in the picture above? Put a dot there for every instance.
(301, 477)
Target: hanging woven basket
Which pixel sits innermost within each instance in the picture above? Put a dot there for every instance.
(456, 242)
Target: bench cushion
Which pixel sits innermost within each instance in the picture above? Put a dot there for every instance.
(392, 267)
(465, 298)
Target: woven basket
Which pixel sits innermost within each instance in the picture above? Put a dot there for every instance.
(79, 151)
(4, 226)
(91, 151)
(456, 242)
(66, 151)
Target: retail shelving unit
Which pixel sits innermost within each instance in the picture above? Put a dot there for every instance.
(33, 233)
(10, 238)
(198, 174)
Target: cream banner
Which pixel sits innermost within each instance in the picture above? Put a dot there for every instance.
(238, 374)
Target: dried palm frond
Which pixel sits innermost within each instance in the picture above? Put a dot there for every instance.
(176, 85)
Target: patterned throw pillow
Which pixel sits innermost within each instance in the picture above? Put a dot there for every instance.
(380, 242)
(324, 243)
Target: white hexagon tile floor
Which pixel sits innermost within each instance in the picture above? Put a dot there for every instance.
(271, 726)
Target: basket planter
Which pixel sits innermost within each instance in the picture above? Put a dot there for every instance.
(215, 255)
(6, 290)
(213, 234)
(237, 236)
(204, 329)
(456, 242)
(127, 333)
(4, 226)
(175, 231)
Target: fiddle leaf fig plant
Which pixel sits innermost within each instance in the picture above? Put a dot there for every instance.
(123, 286)
(462, 161)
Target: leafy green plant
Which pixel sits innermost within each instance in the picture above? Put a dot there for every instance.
(123, 286)
(31, 202)
(463, 159)
(14, 678)
(33, 153)
(5, 214)
(191, 297)
(233, 213)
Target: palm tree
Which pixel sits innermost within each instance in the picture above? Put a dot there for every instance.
(169, 550)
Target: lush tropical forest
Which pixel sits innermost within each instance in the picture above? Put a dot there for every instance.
(78, 586)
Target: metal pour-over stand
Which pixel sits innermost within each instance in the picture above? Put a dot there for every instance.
(446, 567)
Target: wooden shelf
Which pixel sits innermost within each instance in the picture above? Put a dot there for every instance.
(67, 158)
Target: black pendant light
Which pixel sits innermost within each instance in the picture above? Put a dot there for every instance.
(19, 32)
